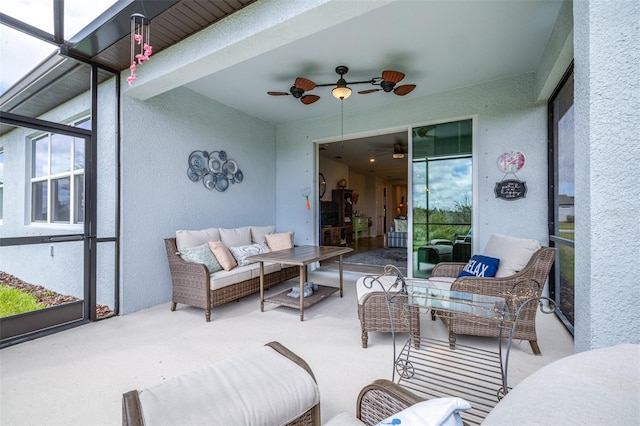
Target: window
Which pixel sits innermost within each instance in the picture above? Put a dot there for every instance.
(1, 181)
(562, 215)
(57, 177)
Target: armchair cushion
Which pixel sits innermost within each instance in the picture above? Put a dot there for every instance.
(437, 411)
(514, 253)
(480, 266)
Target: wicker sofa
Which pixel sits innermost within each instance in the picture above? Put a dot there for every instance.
(194, 285)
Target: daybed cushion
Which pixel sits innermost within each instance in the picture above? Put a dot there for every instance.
(241, 253)
(202, 254)
(234, 237)
(224, 256)
(185, 238)
(258, 387)
(258, 233)
(514, 253)
(280, 241)
(480, 266)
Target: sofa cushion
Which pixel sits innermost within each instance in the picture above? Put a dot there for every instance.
(202, 254)
(241, 253)
(234, 237)
(258, 233)
(185, 238)
(224, 256)
(269, 268)
(280, 241)
(480, 266)
(514, 253)
(238, 274)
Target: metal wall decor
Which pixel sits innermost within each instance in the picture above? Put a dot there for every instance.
(511, 189)
(214, 168)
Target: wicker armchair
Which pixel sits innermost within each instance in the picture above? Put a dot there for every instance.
(516, 289)
(374, 310)
(382, 399)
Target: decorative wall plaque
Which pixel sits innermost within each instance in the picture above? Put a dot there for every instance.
(510, 189)
(214, 169)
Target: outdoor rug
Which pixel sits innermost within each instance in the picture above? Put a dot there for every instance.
(380, 257)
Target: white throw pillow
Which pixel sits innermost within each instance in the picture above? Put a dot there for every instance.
(241, 253)
(433, 412)
(514, 253)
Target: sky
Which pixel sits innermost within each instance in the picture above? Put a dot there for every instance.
(450, 182)
(20, 53)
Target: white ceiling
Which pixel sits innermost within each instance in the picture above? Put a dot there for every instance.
(439, 45)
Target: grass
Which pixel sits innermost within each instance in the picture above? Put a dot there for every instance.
(13, 302)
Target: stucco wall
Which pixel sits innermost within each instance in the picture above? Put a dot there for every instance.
(507, 118)
(157, 196)
(607, 149)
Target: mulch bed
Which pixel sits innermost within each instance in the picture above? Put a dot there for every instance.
(45, 296)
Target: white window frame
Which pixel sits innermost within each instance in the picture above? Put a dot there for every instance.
(49, 179)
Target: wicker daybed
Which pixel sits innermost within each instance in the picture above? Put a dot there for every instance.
(192, 282)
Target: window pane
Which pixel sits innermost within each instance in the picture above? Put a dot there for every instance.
(41, 157)
(60, 153)
(78, 155)
(61, 202)
(79, 199)
(38, 13)
(39, 201)
(79, 13)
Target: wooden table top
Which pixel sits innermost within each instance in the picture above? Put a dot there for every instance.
(301, 255)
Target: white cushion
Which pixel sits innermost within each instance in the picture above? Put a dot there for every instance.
(441, 283)
(433, 412)
(186, 239)
(259, 387)
(514, 253)
(241, 253)
(258, 233)
(343, 419)
(239, 273)
(376, 285)
(234, 237)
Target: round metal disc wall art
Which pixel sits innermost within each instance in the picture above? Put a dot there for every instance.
(214, 168)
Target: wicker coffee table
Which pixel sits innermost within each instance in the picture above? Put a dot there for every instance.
(301, 256)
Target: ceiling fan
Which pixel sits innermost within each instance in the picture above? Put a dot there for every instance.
(387, 83)
(398, 151)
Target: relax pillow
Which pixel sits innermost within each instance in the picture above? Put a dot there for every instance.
(235, 237)
(223, 255)
(480, 266)
(280, 241)
(202, 254)
(514, 253)
(242, 252)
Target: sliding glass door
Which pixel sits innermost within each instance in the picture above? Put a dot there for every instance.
(442, 186)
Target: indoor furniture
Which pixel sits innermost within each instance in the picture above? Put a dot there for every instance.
(527, 266)
(299, 256)
(376, 314)
(268, 386)
(194, 285)
(360, 227)
(336, 235)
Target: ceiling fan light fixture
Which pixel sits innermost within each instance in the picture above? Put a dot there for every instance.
(398, 155)
(341, 92)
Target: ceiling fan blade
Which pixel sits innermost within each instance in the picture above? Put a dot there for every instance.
(364, 92)
(309, 99)
(305, 84)
(404, 89)
(277, 93)
(392, 76)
